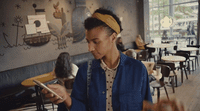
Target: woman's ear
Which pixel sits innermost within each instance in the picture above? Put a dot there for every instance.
(114, 37)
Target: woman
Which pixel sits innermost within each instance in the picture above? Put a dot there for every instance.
(65, 70)
(117, 83)
(140, 43)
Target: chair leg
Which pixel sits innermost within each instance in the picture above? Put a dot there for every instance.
(158, 94)
(173, 84)
(197, 61)
(176, 80)
(185, 73)
(189, 67)
(182, 74)
(166, 92)
(192, 65)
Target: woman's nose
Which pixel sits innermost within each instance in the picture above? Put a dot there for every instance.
(90, 47)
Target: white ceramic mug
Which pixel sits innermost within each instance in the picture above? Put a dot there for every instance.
(158, 70)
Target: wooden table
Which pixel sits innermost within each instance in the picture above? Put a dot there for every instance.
(159, 46)
(42, 78)
(138, 50)
(189, 49)
(174, 58)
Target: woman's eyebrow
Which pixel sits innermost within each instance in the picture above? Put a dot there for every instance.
(93, 39)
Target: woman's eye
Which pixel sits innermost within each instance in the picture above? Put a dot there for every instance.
(95, 42)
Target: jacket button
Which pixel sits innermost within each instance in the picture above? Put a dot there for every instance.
(103, 92)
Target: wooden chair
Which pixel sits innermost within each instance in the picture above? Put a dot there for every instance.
(151, 55)
(188, 59)
(174, 50)
(142, 56)
(183, 64)
(172, 74)
(196, 56)
(165, 70)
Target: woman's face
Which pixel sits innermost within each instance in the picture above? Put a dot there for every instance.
(99, 43)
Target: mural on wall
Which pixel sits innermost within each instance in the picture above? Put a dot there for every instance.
(79, 14)
(37, 10)
(64, 37)
(67, 30)
(37, 31)
(18, 20)
(32, 41)
(1, 54)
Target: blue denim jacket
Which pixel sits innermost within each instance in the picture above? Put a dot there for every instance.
(130, 87)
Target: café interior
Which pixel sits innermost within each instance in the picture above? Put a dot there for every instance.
(35, 32)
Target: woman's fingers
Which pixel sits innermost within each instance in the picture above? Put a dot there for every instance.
(58, 89)
(49, 95)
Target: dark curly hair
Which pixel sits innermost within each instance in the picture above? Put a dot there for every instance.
(91, 23)
(63, 67)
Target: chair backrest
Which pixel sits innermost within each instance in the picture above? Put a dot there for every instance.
(171, 65)
(135, 45)
(175, 47)
(165, 70)
(183, 51)
(143, 56)
(192, 42)
(184, 54)
(150, 50)
(180, 51)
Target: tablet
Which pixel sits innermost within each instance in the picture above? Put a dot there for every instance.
(45, 87)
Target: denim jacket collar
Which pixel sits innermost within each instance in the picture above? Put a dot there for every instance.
(96, 63)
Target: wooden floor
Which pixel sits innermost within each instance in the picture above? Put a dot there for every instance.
(188, 93)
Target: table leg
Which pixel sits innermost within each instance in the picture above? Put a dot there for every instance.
(39, 99)
(160, 53)
(158, 94)
(181, 67)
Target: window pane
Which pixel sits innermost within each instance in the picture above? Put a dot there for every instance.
(185, 15)
(154, 22)
(182, 1)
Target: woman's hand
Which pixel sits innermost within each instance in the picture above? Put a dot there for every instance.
(61, 91)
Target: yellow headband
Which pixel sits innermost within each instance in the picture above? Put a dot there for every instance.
(108, 20)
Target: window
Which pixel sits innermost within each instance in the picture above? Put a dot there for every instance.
(184, 13)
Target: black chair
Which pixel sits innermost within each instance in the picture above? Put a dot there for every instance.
(135, 45)
(171, 75)
(196, 56)
(165, 70)
(174, 50)
(151, 55)
(188, 59)
(183, 64)
(143, 56)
